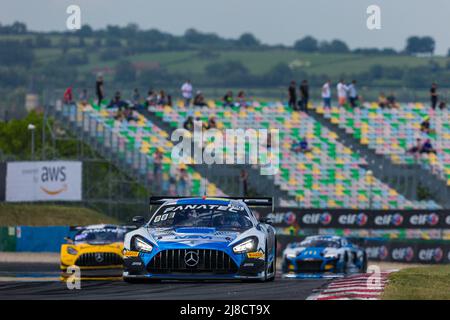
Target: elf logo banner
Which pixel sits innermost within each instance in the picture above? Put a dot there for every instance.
(43, 181)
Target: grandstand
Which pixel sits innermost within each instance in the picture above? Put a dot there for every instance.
(332, 175)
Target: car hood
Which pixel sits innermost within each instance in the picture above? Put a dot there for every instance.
(192, 236)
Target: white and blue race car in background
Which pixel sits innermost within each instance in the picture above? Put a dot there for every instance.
(323, 254)
(201, 238)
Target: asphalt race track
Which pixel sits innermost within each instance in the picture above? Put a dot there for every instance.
(29, 288)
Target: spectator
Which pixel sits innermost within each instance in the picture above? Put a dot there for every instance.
(199, 99)
(228, 99)
(151, 99)
(68, 96)
(136, 99)
(169, 100)
(182, 182)
(128, 114)
(382, 101)
(392, 101)
(442, 105)
(353, 94)
(244, 182)
(304, 96)
(341, 89)
(292, 91)
(326, 94)
(186, 91)
(434, 95)
(425, 126)
(211, 123)
(83, 97)
(301, 146)
(162, 98)
(417, 148)
(99, 89)
(117, 101)
(189, 124)
(241, 99)
(427, 147)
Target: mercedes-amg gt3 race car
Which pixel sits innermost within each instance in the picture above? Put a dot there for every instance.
(95, 249)
(323, 254)
(201, 238)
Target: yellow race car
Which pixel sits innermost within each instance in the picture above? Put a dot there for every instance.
(96, 251)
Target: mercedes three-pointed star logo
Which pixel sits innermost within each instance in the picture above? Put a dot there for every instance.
(191, 258)
(99, 257)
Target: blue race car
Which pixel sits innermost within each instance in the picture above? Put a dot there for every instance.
(201, 238)
(323, 254)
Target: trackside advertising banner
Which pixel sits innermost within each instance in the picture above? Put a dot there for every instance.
(368, 219)
(43, 181)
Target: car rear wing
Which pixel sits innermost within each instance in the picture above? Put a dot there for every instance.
(251, 202)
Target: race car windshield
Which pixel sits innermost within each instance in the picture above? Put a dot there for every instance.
(320, 243)
(100, 236)
(206, 216)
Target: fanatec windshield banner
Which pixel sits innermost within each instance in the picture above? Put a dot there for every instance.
(368, 219)
(43, 181)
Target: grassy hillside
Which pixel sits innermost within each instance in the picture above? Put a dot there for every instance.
(430, 282)
(49, 215)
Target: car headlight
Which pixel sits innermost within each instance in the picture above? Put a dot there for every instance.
(246, 246)
(331, 255)
(72, 251)
(291, 255)
(142, 245)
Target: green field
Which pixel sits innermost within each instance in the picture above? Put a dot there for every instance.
(421, 283)
(49, 215)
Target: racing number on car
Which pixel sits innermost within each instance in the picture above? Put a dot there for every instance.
(164, 217)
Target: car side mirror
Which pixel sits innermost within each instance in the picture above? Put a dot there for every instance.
(69, 240)
(138, 220)
(265, 220)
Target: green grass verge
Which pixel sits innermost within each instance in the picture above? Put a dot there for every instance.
(421, 283)
(49, 215)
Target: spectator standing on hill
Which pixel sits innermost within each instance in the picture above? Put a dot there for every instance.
(341, 89)
(304, 95)
(99, 89)
(292, 91)
(326, 94)
(353, 94)
(186, 92)
(68, 96)
(434, 95)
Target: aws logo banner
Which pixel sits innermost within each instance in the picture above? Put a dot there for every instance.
(43, 181)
